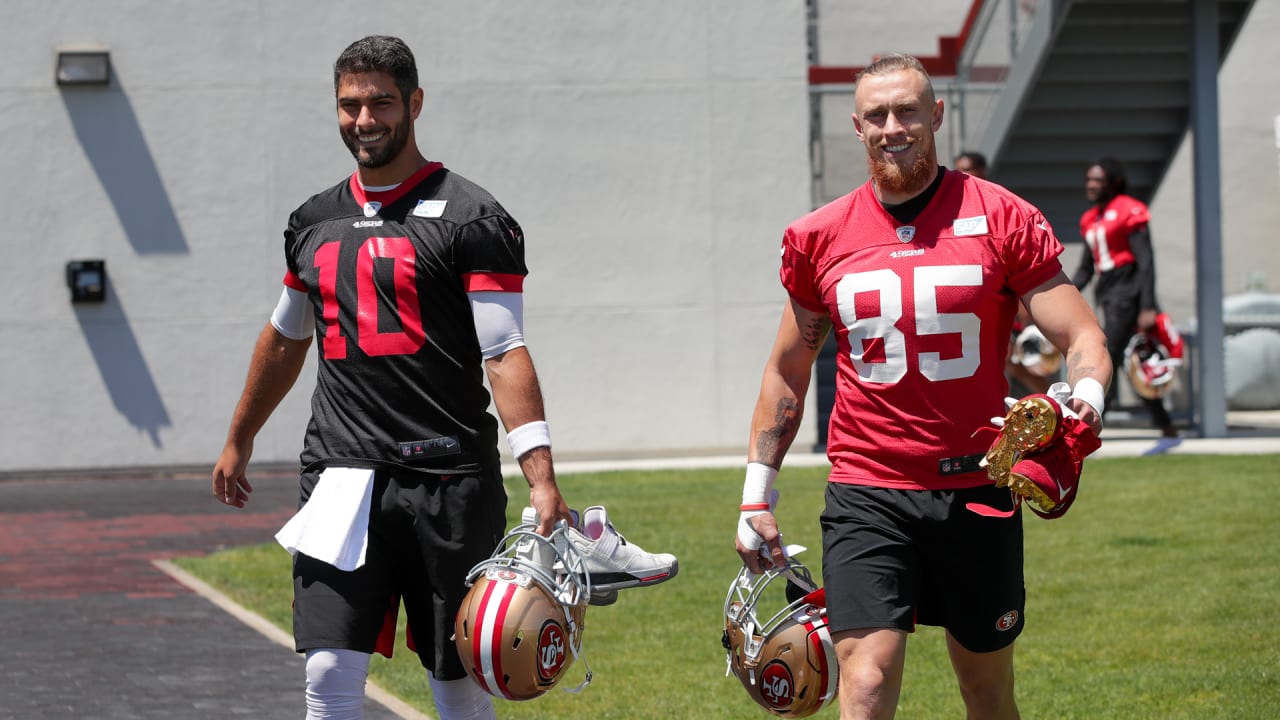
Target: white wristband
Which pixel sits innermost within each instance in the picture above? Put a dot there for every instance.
(758, 485)
(758, 497)
(529, 436)
(1090, 391)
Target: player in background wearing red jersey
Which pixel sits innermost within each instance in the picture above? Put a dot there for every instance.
(1117, 231)
(411, 278)
(919, 272)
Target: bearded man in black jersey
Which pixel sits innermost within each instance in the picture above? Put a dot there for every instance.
(410, 276)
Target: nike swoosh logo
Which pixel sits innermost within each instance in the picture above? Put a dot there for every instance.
(988, 511)
(1062, 492)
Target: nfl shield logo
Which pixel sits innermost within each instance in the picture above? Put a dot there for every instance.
(906, 233)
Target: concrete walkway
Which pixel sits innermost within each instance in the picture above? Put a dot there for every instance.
(91, 628)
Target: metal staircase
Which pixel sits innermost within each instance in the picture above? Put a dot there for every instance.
(1111, 77)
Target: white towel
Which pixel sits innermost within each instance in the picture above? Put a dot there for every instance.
(333, 526)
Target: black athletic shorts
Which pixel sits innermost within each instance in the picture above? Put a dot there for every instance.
(426, 532)
(894, 558)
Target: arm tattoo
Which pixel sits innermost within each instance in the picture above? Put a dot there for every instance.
(772, 443)
(815, 332)
(1075, 372)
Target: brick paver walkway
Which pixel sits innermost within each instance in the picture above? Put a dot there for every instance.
(91, 630)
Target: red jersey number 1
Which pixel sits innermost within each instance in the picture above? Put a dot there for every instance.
(405, 341)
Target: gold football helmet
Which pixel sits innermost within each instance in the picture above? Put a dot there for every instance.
(787, 663)
(1149, 366)
(520, 625)
(1032, 350)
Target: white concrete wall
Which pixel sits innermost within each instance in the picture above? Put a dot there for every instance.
(652, 151)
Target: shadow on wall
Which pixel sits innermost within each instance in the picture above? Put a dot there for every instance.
(108, 130)
(121, 364)
(112, 140)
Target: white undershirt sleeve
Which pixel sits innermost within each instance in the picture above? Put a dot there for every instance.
(293, 317)
(499, 318)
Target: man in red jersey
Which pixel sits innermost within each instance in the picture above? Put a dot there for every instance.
(411, 278)
(919, 272)
(1117, 231)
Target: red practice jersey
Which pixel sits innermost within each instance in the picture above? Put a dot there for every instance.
(922, 314)
(1107, 230)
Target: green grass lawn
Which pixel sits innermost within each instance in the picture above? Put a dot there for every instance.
(1156, 597)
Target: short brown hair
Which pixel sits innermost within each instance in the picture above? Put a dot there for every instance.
(895, 62)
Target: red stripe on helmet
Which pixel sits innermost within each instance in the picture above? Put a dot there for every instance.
(508, 594)
(815, 631)
(476, 632)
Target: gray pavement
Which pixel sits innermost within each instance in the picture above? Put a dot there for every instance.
(93, 628)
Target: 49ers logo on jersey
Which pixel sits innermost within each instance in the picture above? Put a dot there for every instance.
(776, 684)
(551, 650)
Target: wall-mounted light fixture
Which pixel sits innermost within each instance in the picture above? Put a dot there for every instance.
(88, 66)
(87, 280)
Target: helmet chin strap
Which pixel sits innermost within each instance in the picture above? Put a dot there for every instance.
(570, 560)
(788, 552)
(571, 563)
(586, 679)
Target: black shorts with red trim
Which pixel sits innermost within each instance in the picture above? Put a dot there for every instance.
(893, 558)
(426, 532)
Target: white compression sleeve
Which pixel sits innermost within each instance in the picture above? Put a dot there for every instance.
(335, 684)
(293, 317)
(499, 318)
(460, 699)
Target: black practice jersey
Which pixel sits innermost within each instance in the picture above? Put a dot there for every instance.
(400, 375)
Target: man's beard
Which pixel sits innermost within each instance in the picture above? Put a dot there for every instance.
(376, 158)
(891, 178)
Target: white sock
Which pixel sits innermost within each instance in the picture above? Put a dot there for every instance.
(335, 684)
(461, 699)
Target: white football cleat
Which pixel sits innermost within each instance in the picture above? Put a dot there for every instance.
(612, 562)
(536, 552)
